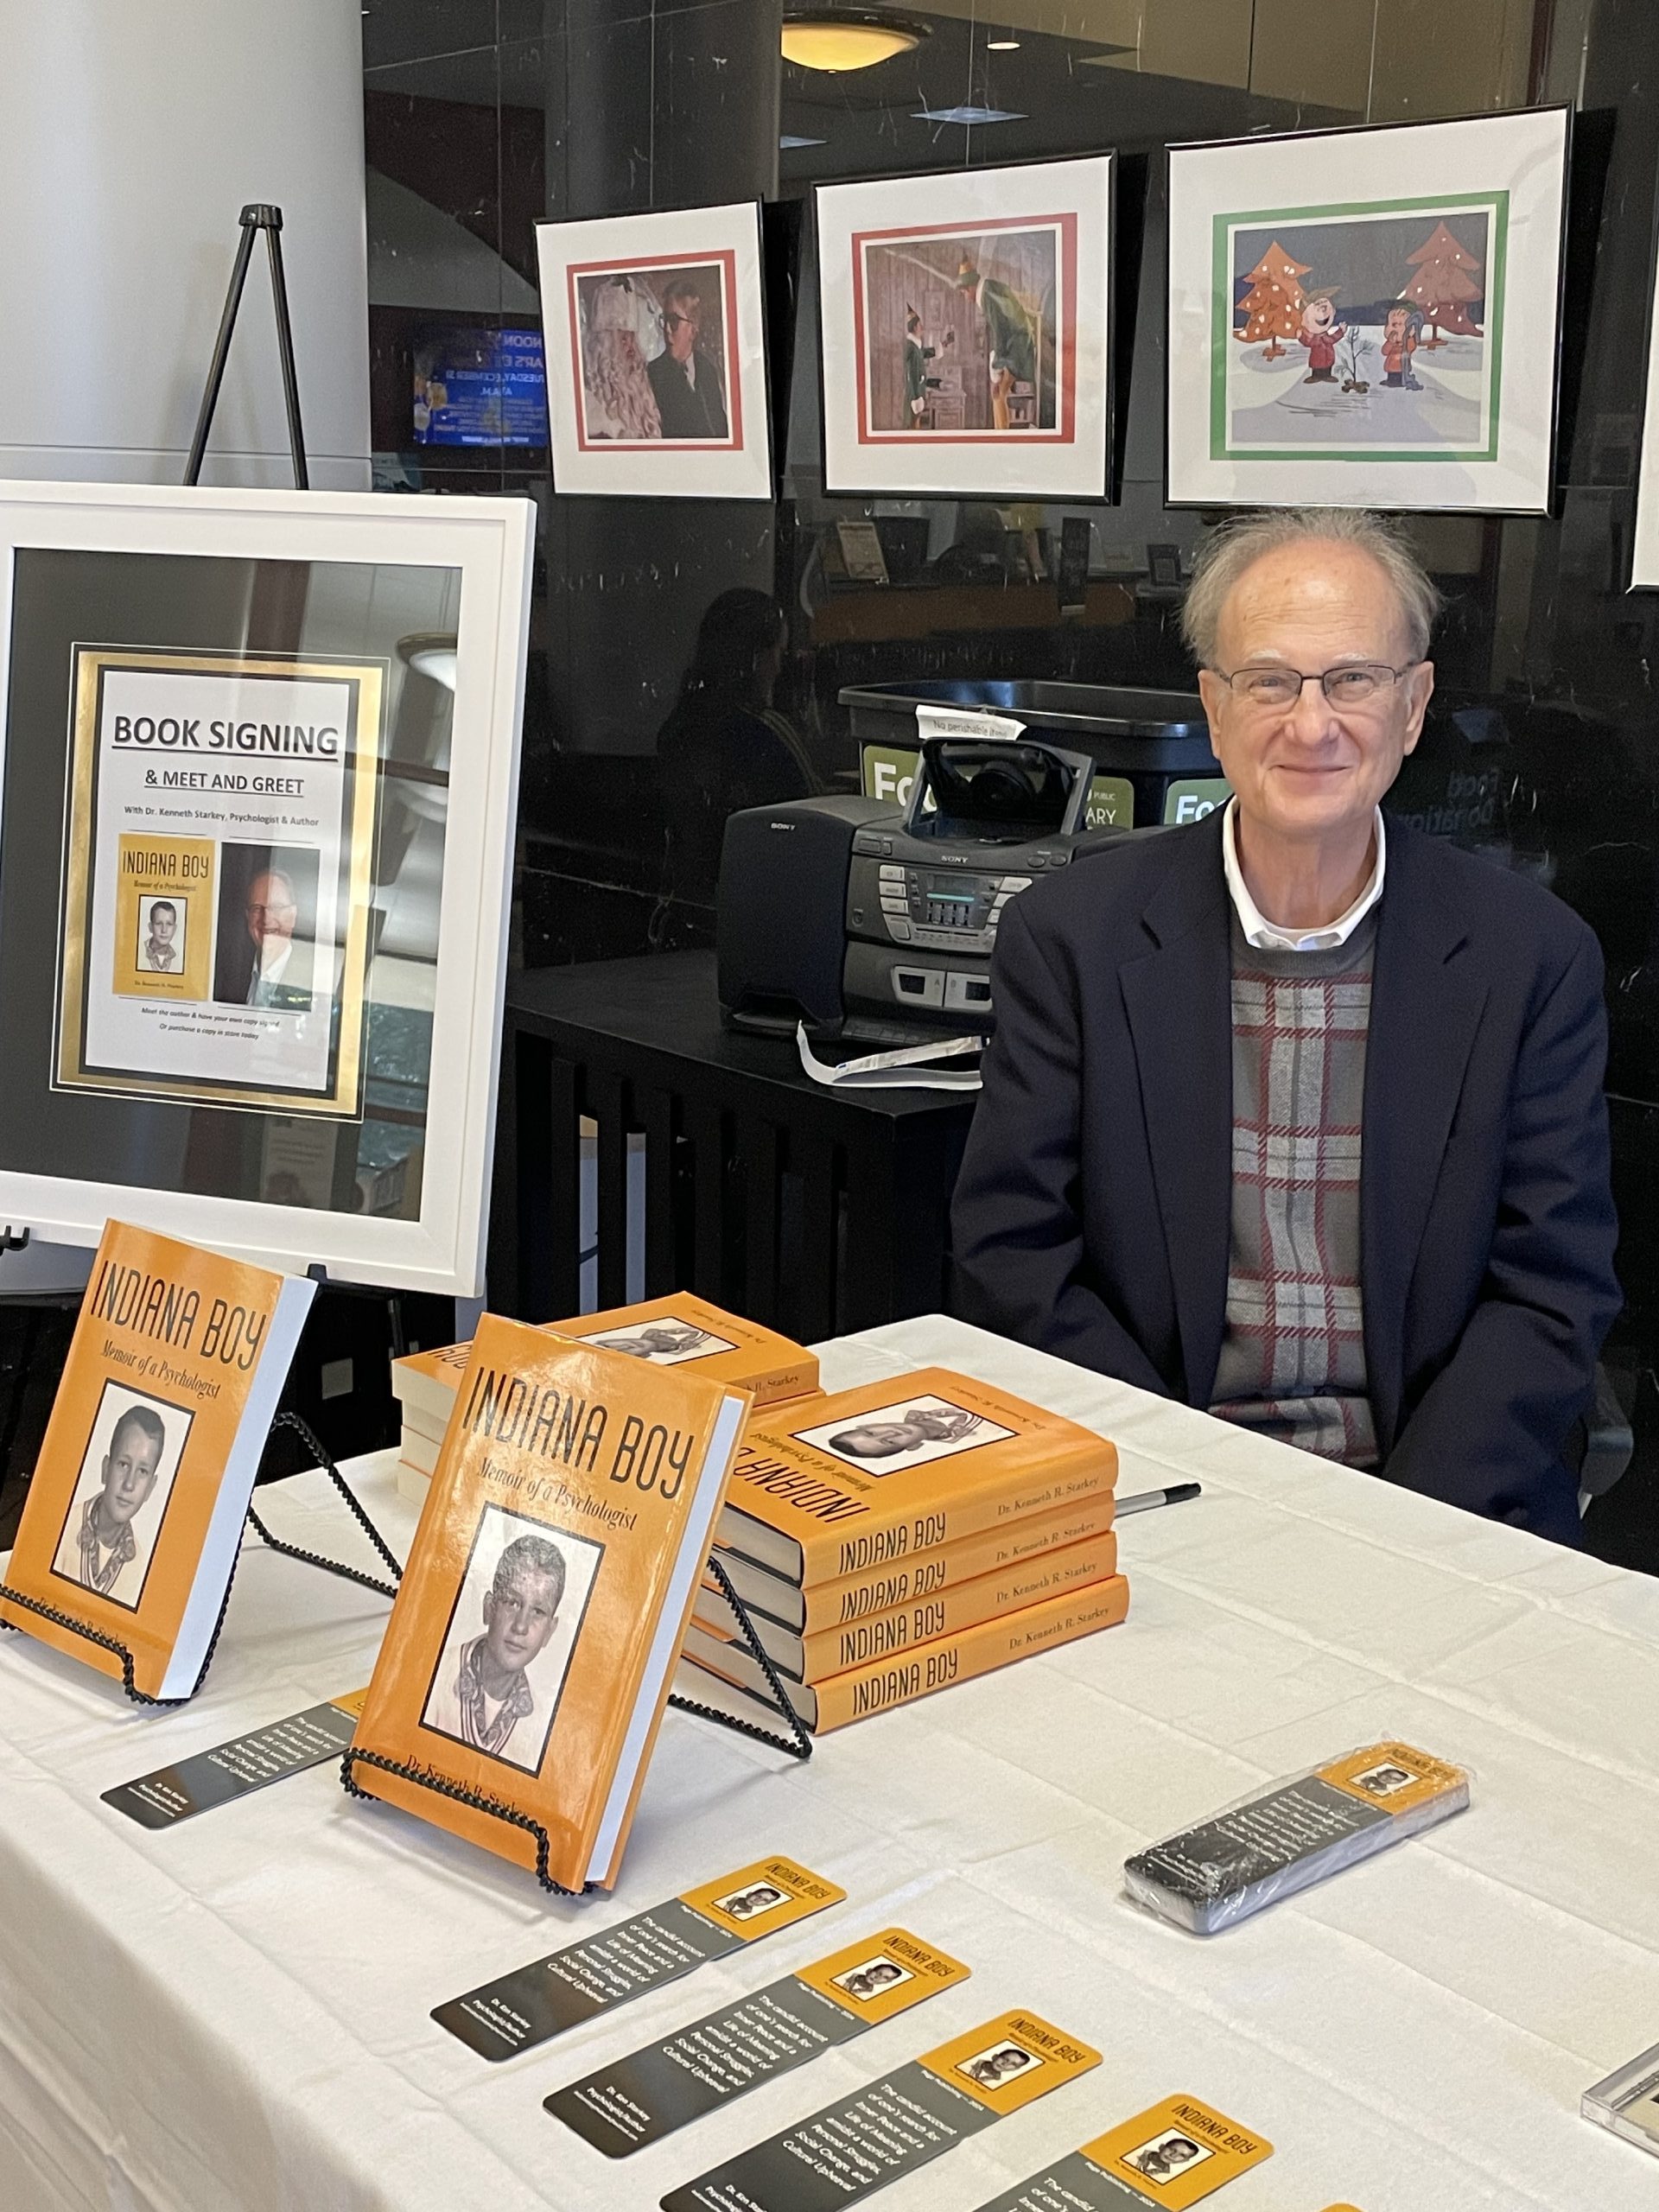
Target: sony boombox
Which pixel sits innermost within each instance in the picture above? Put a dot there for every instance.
(865, 919)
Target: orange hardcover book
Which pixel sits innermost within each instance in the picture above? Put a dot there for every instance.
(884, 1588)
(133, 1515)
(678, 1330)
(886, 1635)
(863, 1477)
(716, 1663)
(534, 1635)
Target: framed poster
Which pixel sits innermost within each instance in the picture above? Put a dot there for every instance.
(252, 923)
(219, 849)
(1368, 317)
(656, 354)
(965, 331)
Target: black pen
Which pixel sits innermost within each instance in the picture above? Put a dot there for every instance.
(1143, 1501)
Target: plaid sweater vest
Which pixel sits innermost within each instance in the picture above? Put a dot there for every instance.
(1293, 1351)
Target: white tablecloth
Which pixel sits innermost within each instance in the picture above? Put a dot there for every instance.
(233, 2017)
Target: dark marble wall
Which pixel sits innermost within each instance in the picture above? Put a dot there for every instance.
(483, 114)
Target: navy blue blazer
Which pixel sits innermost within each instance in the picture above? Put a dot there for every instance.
(1091, 1216)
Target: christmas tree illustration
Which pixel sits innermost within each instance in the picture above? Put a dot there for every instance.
(1445, 277)
(1272, 309)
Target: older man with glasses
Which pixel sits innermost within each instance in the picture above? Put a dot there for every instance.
(684, 378)
(1297, 1114)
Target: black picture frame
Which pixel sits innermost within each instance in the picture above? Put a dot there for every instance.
(1216, 502)
(1107, 491)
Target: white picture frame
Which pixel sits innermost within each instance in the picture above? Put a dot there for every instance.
(620, 294)
(488, 544)
(1038, 236)
(1368, 317)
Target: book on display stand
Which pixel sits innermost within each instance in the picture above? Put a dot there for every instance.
(132, 1525)
(517, 1692)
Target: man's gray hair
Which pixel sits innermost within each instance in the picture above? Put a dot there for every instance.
(1229, 551)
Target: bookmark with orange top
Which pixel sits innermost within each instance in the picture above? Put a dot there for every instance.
(639, 2099)
(518, 2010)
(897, 2124)
(1295, 1832)
(1175, 2154)
(519, 1688)
(134, 1516)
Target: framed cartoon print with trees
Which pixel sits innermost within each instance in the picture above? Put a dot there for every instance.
(1368, 317)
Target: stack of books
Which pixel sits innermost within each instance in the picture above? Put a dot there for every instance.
(679, 1330)
(892, 1540)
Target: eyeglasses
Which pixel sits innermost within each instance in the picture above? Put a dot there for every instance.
(1356, 684)
(672, 321)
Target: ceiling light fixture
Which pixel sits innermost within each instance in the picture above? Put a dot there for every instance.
(1006, 44)
(837, 40)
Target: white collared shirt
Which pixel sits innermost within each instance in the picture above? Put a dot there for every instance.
(265, 979)
(1269, 937)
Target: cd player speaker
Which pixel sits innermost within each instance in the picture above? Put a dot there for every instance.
(782, 925)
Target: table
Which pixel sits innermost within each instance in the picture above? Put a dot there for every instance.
(812, 1211)
(236, 2013)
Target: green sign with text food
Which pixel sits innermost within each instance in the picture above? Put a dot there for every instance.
(1191, 798)
(889, 771)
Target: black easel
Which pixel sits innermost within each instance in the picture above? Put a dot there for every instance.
(257, 216)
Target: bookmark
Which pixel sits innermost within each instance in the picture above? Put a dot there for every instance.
(652, 2092)
(1175, 2154)
(208, 1779)
(521, 2009)
(896, 2124)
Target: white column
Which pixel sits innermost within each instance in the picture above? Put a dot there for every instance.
(132, 132)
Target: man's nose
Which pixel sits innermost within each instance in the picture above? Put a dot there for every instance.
(1311, 720)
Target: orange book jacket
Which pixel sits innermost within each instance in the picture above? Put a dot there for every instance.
(769, 1367)
(881, 1683)
(616, 1464)
(861, 1478)
(823, 1606)
(958, 1606)
(183, 1330)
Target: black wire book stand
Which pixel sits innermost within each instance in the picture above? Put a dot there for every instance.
(117, 1650)
(797, 1742)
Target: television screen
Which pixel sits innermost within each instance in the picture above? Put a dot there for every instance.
(480, 388)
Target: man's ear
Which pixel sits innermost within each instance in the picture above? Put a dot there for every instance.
(1422, 681)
